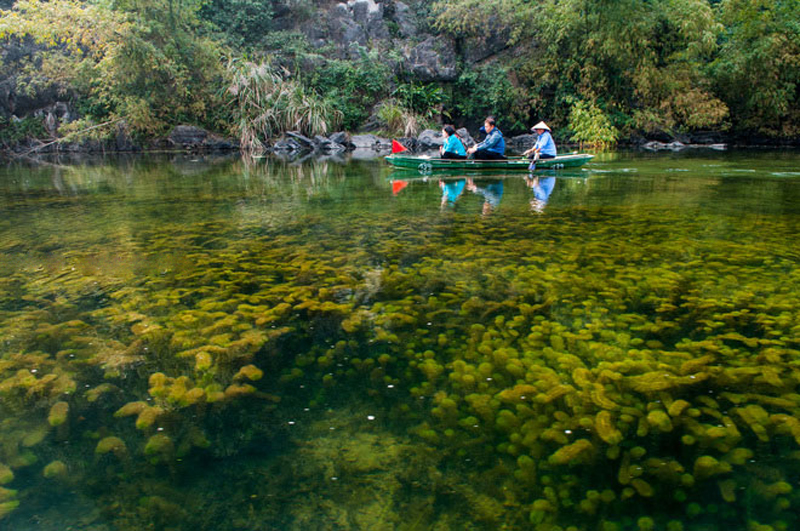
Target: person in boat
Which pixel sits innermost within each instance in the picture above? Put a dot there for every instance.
(544, 148)
(452, 148)
(493, 146)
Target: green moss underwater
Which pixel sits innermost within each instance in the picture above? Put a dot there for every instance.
(595, 368)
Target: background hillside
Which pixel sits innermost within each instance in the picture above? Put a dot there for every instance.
(597, 71)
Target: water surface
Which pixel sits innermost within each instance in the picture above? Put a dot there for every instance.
(200, 343)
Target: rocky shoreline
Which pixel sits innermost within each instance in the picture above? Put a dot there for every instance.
(187, 138)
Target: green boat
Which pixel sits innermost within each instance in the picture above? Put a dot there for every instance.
(427, 165)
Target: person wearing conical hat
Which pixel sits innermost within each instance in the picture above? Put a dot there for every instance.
(544, 148)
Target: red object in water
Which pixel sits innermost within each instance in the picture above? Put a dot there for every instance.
(398, 185)
(397, 147)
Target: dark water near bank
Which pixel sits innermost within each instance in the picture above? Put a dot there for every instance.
(209, 344)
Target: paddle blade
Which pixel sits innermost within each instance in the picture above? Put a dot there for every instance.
(397, 186)
(397, 147)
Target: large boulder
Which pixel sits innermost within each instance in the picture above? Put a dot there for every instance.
(340, 137)
(326, 145)
(364, 142)
(433, 59)
(406, 20)
(359, 22)
(287, 145)
(304, 141)
(429, 139)
(465, 137)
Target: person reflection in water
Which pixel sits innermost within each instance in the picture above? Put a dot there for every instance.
(492, 193)
(542, 188)
(451, 190)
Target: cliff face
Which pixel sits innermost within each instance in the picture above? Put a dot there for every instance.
(345, 28)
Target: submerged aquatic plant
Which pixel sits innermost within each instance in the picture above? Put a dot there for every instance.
(625, 379)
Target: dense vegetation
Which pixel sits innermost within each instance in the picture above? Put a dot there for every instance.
(599, 71)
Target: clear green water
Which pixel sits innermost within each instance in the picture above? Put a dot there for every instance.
(208, 344)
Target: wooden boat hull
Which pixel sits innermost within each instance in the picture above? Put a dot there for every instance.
(427, 165)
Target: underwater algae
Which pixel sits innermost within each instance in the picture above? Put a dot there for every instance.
(598, 368)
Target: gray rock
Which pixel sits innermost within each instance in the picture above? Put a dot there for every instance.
(465, 137)
(405, 19)
(287, 145)
(364, 154)
(410, 143)
(476, 49)
(676, 146)
(322, 143)
(429, 139)
(187, 135)
(303, 140)
(383, 144)
(340, 137)
(364, 141)
(433, 59)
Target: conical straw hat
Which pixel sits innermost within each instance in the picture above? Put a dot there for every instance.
(540, 125)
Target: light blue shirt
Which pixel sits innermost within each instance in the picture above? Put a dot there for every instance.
(453, 145)
(545, 144)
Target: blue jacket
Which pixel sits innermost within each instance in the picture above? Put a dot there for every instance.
(545, 144)
(493, 142)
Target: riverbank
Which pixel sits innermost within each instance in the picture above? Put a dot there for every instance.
(188, 138)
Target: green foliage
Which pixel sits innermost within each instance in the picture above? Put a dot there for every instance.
(489, 90)
(591, 126)
(354, 87)
(265, 103)
(398, 119)
(141, 62)
(241, 23)
(421, 99)
(758, 68)
(12, 131)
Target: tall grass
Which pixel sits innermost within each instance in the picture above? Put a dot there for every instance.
(398, 120)
(267, 103)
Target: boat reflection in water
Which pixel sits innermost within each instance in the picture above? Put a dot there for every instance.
(458, 191)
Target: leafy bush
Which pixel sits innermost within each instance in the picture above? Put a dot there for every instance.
(590, 126)
(488, 90)
(353, 86)
(14, 131)
(425, 100)
(141, 62)
(241, 23)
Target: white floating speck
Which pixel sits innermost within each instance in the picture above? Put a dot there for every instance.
(370, 417)
(290, 423)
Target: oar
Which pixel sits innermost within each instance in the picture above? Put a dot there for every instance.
(532, 165)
